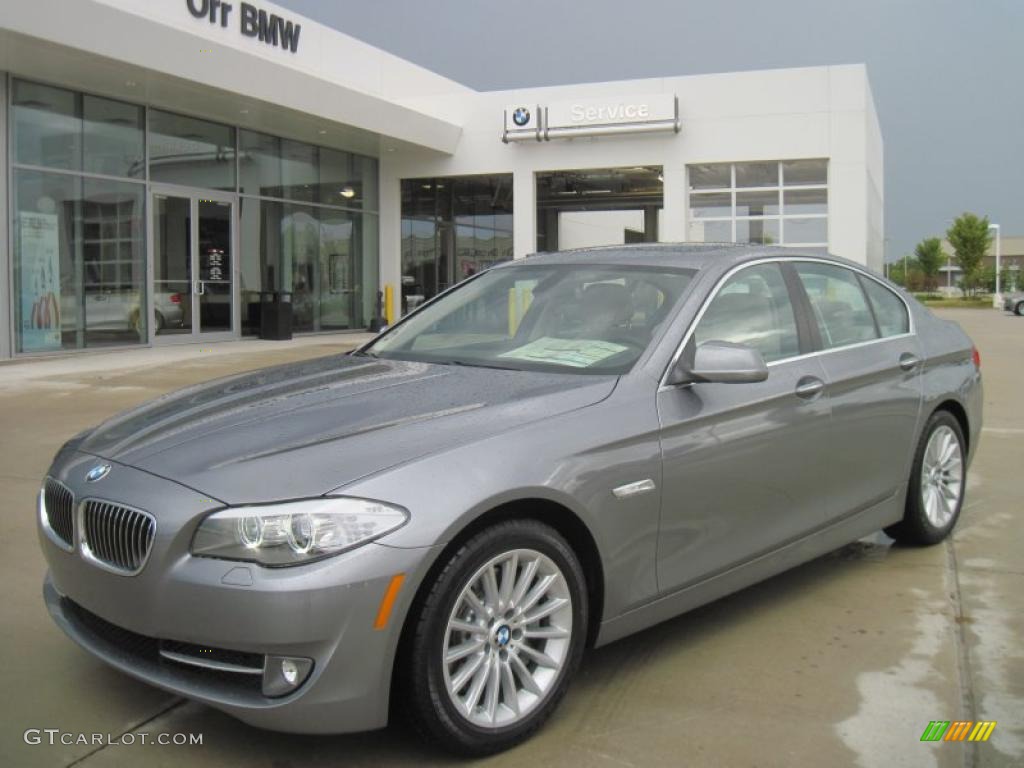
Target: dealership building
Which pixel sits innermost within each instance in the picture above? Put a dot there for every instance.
(165, 163)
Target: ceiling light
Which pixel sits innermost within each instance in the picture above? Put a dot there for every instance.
(322, 132)
(347, 192)
(243, 111)
(661, 177)
(130, 83)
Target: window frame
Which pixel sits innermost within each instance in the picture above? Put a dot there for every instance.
(805, 316)
(779, 187)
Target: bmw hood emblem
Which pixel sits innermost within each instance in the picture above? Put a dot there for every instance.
(521, 116)
(97, 473)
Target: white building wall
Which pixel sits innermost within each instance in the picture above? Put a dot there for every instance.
(787, 114)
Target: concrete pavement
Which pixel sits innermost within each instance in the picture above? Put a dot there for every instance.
(843, 661)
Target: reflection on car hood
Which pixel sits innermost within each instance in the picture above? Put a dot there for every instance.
(307, 428)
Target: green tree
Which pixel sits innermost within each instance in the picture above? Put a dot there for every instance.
(930, 258)
(970, 239)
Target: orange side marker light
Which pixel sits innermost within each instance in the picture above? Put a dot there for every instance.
(388, 602)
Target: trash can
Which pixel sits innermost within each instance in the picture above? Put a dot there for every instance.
(275, 315)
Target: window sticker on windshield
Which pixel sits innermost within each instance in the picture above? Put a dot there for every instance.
(578, 353)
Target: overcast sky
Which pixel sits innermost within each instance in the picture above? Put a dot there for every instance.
(947, 75)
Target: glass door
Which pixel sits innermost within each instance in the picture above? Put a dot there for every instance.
(193, 272)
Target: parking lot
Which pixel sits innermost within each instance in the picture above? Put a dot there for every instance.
(843, 661)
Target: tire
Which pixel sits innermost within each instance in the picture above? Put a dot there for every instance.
(1019, 309)
(462, 704)
(158, 321)
(935, 495)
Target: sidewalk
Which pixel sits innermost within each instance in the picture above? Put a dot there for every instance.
(224, 356)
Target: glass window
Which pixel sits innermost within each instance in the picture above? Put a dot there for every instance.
(711, 205)
(718, 176)
(807, 231)
(113, 138)
(753, 308)
(113, 262)
(566, 318)
(326, 257)
(452, 228)
(758, 231)
(300, 175)
(710, 231)
(760, 203)
(78, 261)
(839, 305)
(890, 311)
(47, 126)
(804, 201)
(804, 172)
(757, 174)
(348, 180)
(751, 210)
(259, 164)
(189, 151)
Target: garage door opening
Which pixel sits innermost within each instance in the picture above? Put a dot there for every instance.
(608, 206)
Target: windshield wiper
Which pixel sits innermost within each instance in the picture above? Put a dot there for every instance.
(361, 353)
(467, 364)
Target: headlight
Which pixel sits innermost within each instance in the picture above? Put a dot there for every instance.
(295, 532)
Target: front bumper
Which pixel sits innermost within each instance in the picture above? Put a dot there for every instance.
(324, 611)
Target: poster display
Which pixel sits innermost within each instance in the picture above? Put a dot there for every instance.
(40, 282)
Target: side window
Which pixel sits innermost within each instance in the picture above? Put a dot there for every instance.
(840, 307)
(753, 308)
(890, 311)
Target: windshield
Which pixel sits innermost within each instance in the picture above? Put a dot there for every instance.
(568, 318)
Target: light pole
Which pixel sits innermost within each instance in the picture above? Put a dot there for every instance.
(997, 300)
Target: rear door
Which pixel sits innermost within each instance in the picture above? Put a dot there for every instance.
(872, 364)
(745, 465)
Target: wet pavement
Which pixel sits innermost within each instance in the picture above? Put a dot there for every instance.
(843, 661)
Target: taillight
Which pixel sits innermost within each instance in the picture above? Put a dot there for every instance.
(175, 298)
(976, 357)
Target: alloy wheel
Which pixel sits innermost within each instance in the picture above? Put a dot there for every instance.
(508, 638)
(941, 476)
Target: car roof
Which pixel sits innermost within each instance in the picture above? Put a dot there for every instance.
(684, 255)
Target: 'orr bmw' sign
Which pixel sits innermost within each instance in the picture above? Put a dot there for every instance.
(592, 117)
(254, 22)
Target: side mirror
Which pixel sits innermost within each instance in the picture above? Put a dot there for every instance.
(720, 362)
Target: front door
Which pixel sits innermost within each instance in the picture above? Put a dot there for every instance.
(193, 266)
(745, 465)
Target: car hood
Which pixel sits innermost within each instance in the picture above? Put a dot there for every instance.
(305, 429)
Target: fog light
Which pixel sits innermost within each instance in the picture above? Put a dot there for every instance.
(283, 674)
(289, 671)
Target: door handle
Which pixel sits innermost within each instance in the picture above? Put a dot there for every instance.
(809, 387)
(909, 361)
(200, 288)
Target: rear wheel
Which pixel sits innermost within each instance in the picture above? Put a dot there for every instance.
(937, 482)
(1019, 309)
(496, 639)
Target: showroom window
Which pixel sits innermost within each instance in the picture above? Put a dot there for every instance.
(452, 228)
(307, 218)
(770, 203)
(77, 219)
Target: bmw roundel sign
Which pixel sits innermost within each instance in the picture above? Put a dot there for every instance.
(521, 116)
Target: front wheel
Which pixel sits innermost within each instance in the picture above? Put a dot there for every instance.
(1019, 309)
(496, 639)
(937, 483)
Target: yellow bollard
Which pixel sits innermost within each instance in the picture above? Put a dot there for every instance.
(513, 315)
(389, 304)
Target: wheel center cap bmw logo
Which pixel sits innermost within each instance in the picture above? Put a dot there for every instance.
(503, 635)
(521, 116)
(97, 473)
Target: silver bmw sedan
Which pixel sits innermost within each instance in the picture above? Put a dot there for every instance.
(556, 453)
